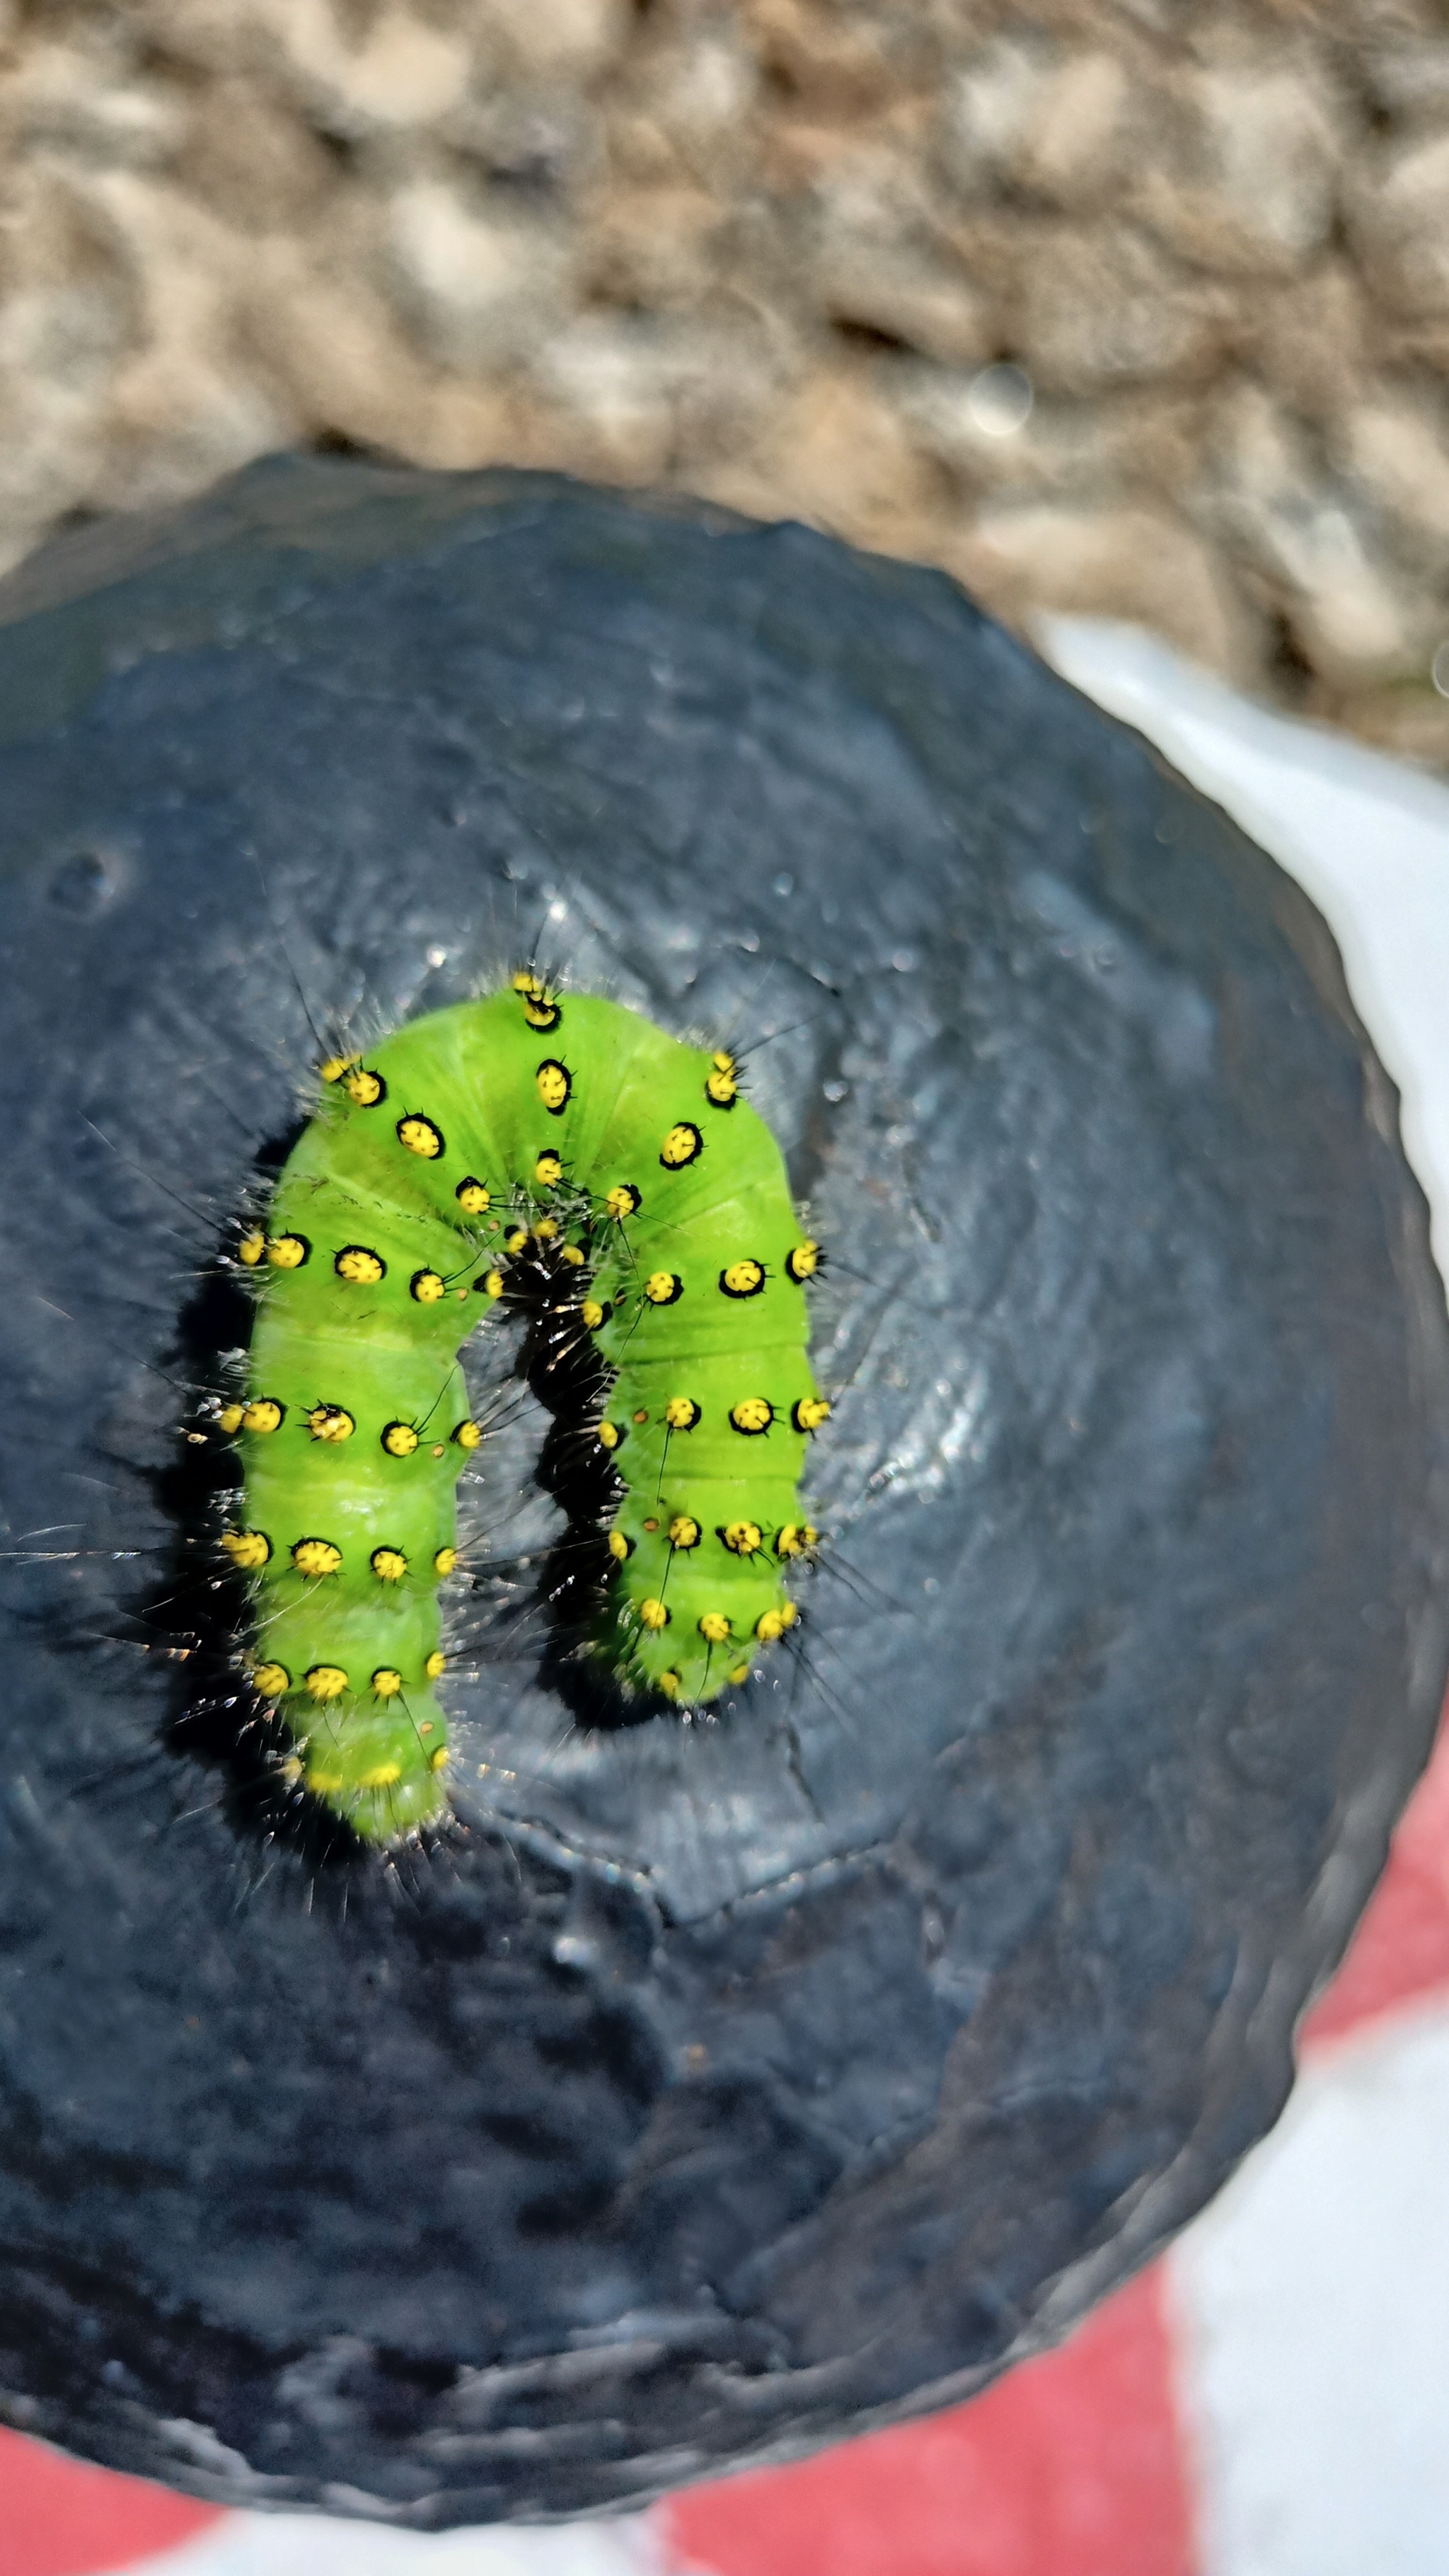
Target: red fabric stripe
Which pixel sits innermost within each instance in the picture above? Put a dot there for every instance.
(61, 2517)
(1070, 2467)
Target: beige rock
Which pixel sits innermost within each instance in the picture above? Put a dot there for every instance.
(479, 288)
(1106, 307)
(1114, 449)
(1141, 565)
(1409, 79)
(836, 454)
(1399, 224)
(1398, 454)
(989, 111)
(403, 73)
(1073, 141)
(252, 164)
(564, 40)
(84, 101)
(1242, 165)
(1309, 338)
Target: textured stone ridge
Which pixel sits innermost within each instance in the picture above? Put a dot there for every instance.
(768, 253)
(719, 2088)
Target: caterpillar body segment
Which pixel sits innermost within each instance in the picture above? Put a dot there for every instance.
(524, 1126)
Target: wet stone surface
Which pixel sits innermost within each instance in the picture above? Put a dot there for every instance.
(714, 2089)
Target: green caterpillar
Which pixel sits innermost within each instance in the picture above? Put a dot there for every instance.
(572, 1140)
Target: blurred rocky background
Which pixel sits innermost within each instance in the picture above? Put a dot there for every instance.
(1140, 310)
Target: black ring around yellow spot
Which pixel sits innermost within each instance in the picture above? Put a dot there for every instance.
(437, 1663)
(389, 1564)
(684, 1533)
(623, 1200)
(317, 1556)
(444, 1560)
(359, 1265)
(262, 1413)
(230, 1417)
(326, 1682)
(468, 1433)
(663, 1288)
(420, 1136)
(572, 1254)
(546, 1229)
(427, 1287)
(610, 1435)
(742, 1538)
(714, 1627)
(670, 1684)
(803, 1261)
(548, 1170)
(681, 1413)
(721, 1089)
(592, 1314)
(249, 1549)
(399, 1439)
(682, 1146)
(335, 1067)
(272, 1680)
(364, 1088)
(516, 1242)
(810, 1412)
(620, 1546)
(473, 1196)
(752, 1415)
(331, 1422)
(555, 1082)
(654, 1614)
(743, 1278)
(288, 1251)
(386, 1682)
(491, 1284)
(739, 1673)
(769, 1625)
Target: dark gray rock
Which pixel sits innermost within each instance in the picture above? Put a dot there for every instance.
(715, 2090)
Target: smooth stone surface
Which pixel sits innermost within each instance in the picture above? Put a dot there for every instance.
(717, 2089)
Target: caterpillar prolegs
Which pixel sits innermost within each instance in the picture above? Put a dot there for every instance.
(569, 1138)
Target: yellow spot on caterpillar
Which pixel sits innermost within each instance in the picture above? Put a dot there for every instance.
(468, 1433)
(389, 1564)
(445, 1560)
(742, 1538)
(546, 1228)
(324, 1682)
(789, 1613)
(263, 1413)
(288, 1251)
(548, 1171)
(654, 1614)
(382, 1775)
(230, 1417)
(683, 1144)
(399, 1440)
(359, 1265)
(681, 1413)
(803, 1262)
(324, 1783)
(571, 1253)
(664, 1287)
(473, 1197)
(555, 1082)
(364, 1087)
(797, 1538)
(671, 1684)
(753, 1414)
(591, 1314)
(248, 1548)
(610, 1435)
(330, 1422)
(316, 1556)
(252, 1248)
(623, 1200)
(714, 1627)
(810, 1412)
(438, 1761)
(742, 1278)
(769, 1625)
(493, 1284)
(421, 1137)
(427, 1287)
(516, 1241)
(272, 1680)
(619, 1545)
(335, 1067)
(437, 1663)
(386, 1682)
(739, 1672)
(722, 1081)
(683, 1532)
(540, 1009)
(290, 1770)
